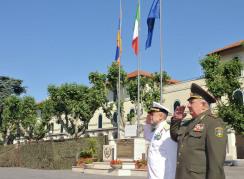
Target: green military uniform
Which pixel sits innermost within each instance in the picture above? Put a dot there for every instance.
(201, 147)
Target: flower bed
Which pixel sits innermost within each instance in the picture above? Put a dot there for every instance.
(141, 164)
(116, 164)
(82, 161)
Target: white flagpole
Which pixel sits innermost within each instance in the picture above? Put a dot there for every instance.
(161, 52)
(138, 71)
(118, 115)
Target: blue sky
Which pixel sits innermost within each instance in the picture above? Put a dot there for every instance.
(46, 42)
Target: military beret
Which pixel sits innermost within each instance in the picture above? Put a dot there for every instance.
(199, 93)
(157, 107)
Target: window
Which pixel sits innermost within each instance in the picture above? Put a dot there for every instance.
(131, 115)
(176, 104)
(100, 121)
(114, 122)
(132, 111)
(239, 58)
(61, 129)
(238, 97)
(51, 128)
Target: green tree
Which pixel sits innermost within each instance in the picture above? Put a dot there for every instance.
(68, 100)
(19, 118)
(28, 116)
(149, 89)
(10, 119)
(113, 78)
(99, 87)
(112, 85)
(165, 78)
(45, 113)
(222, 79)
(74, 105)
(9, 86)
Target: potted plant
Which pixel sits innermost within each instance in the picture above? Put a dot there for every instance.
(88, 163)
(86, 154)
(141, 164)
(86, 159)
(80, 162)
(116, 164)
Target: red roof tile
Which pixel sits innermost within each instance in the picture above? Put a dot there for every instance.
(228, 47)
(142, 73)
(171, 81)
(147, 74)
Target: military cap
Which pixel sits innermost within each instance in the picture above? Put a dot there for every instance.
(199, 93)
(157, 107)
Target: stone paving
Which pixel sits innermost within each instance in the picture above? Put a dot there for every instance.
(23, 173)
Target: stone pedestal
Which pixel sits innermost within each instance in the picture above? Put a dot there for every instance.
(231, 146)
(131, 149)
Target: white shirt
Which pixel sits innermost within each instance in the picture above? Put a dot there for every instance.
(162, 152)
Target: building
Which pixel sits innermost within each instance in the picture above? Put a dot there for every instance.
(174, 94)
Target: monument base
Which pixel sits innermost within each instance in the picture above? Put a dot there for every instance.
(131, 149)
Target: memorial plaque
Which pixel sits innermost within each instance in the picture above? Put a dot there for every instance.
(125, 148)
(108, 152)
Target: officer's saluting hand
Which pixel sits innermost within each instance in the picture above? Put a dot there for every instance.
(179, 113)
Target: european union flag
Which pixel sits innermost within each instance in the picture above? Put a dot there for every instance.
(154, 13)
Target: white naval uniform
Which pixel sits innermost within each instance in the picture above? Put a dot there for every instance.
(162, 152)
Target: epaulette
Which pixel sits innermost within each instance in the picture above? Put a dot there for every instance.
(214, 116)
(166, 126)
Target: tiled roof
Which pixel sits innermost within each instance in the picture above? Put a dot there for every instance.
(228, 47)
(147, 74)
(171, 81)
(142, 73)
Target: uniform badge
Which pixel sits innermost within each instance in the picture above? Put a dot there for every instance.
(198, 128)
(158, 136)
(166, 126)
(219, 132)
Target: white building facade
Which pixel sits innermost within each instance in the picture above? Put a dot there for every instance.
(173, 95)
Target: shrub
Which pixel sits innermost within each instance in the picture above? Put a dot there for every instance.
(49, 154)
(85, 154)
(92, 146)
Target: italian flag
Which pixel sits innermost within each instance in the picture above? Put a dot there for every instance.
(135, 44)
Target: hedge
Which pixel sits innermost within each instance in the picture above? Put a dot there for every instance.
(49, 155)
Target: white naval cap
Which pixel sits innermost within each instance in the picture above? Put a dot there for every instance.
(157, 107)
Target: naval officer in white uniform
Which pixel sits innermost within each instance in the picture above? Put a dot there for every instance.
(162, 150)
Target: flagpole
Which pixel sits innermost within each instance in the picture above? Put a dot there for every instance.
(118, 115)
(138, 73)
(161, 52)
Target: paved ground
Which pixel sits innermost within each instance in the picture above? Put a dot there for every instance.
(23, 173)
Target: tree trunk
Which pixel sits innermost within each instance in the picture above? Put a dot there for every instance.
(6, 137)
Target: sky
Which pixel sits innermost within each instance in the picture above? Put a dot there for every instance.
(45, 42)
